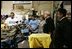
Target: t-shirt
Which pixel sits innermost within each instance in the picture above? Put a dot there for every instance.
(34, 24)
(9, 21)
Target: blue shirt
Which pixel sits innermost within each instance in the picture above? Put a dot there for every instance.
(34, 24)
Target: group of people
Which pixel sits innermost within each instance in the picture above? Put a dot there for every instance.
(61, 35)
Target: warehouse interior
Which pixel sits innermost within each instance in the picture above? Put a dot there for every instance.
(22, 9)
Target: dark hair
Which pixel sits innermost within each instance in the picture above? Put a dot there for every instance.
(12, 13)
(62, 11)
(42, 17)
(6, 16)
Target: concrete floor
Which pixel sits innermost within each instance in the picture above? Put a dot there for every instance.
(23, 44)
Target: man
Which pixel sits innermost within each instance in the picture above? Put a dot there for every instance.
(49, 23)
(48, 26)
(34, 24)
(10, 21)
(63, 30)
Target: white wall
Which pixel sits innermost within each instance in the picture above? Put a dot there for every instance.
(7, 7)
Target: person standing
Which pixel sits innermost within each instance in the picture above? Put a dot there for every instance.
(42, 22)
(49, 26)
(49, 23)
(33, 24)
(63, 30)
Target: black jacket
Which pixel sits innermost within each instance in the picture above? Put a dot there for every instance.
(49, 25)
(63, 32)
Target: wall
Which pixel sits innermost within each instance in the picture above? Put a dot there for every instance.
(40, 6)
(7, 7)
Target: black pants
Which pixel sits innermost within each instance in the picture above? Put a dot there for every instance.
(5, 45)
(9, 44)
(26, 34)
(14, 43)
(52, 42)
(52, 38)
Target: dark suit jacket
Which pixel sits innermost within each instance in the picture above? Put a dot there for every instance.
(49, 25)
(63, 32)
